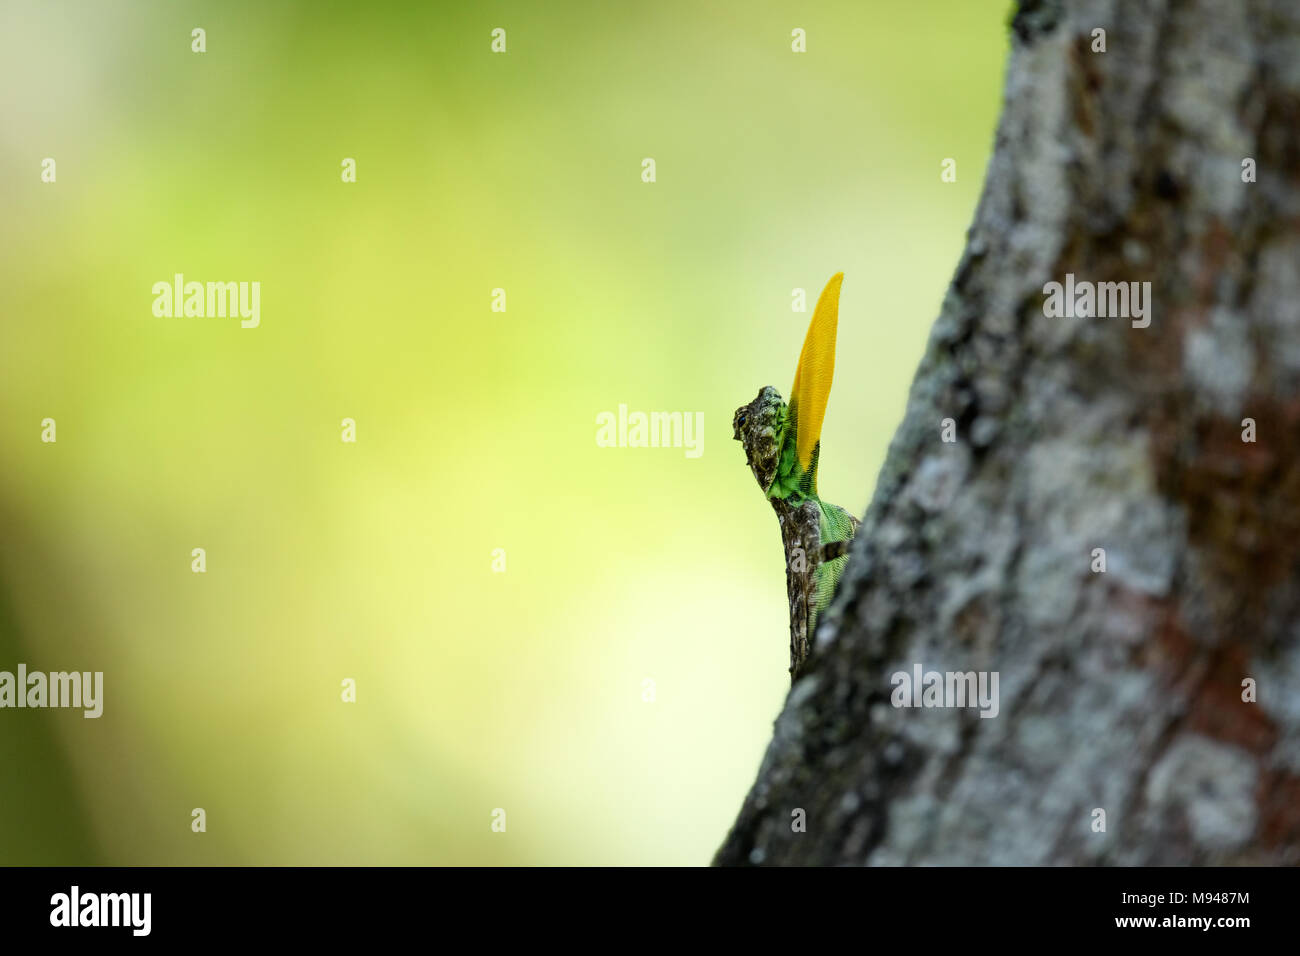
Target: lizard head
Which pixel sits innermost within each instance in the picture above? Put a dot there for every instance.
(782, 442)
(760, 428)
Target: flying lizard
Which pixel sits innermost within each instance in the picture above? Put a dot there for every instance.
(782, 445)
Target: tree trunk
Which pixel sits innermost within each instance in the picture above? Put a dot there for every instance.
(1119, 690)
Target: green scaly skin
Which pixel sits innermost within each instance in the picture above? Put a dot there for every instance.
(795, 486)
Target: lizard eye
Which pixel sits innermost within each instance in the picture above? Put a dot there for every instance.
(740, 419)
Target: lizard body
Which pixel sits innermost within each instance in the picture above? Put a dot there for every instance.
(782, 445)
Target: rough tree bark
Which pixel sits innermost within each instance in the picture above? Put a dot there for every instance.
(1119, 690)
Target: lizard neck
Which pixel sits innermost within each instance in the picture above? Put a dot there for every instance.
(792, 483)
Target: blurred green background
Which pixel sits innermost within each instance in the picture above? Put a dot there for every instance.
(475, 429)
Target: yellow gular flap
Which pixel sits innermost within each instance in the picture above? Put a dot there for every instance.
(812, 379)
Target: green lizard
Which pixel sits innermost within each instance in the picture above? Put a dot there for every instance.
(782, 445)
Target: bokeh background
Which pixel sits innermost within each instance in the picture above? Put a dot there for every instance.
(476, 430)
